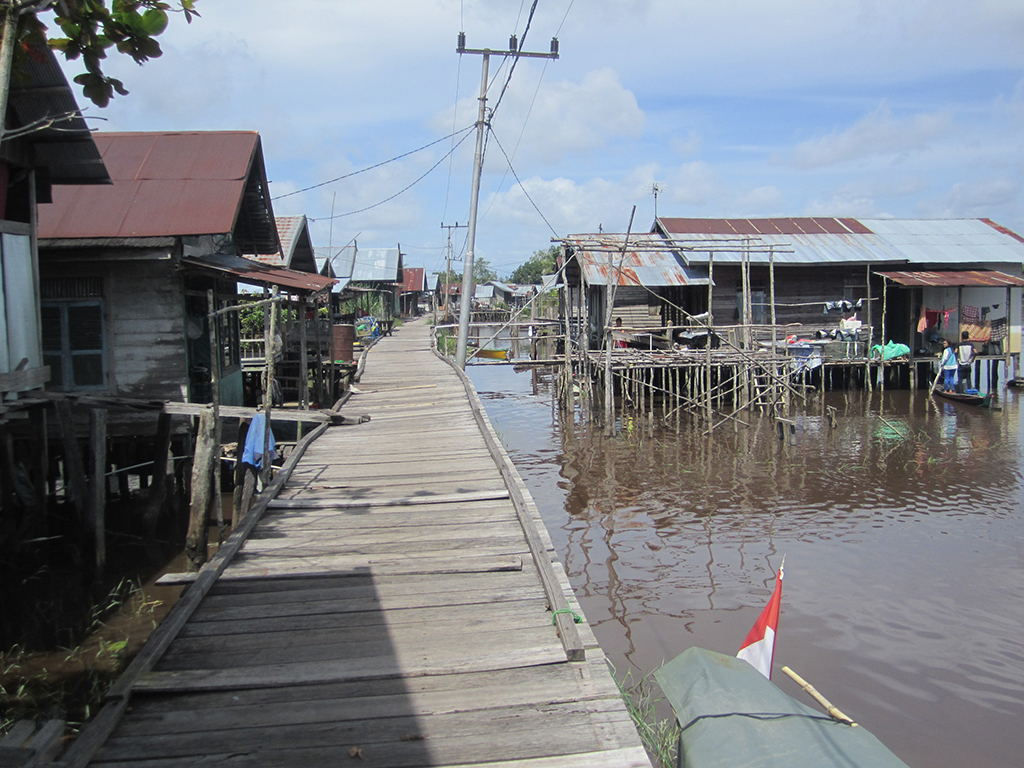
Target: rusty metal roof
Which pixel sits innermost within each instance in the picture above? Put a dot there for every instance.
(646, 261)
(171, 184)
(954, 279)
(255, 273)
(296, 246)
(818, 240)
(415, 279)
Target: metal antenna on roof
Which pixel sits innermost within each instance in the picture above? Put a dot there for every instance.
(656, 188)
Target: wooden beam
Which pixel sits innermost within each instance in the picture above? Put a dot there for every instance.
(29, 378)
(98, 486)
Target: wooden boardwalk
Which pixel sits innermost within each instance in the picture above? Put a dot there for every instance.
(389, 608)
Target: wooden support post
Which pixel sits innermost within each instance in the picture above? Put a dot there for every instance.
(269, 398)
(303, 356)
(238, 509)
(98, 489)
(318, 389)
(74, 467)
(202, 475)
(40, 458)
(215, 361)
(158, 490)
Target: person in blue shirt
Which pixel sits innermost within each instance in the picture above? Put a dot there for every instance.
(949, 365)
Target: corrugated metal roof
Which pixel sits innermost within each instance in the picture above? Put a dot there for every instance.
(415, 279)
(954, 279)
(644, 263)
(296, 246)
(377, 265)
(827, 240)
(171, 184)
(66, 147)
(255, 273)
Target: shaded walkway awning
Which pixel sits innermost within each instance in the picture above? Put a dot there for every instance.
(984, 278)
(255, 273)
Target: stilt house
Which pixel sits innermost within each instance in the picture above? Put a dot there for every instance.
(127, 270)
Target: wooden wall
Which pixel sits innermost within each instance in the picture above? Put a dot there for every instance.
(800, 293)
(143, 320)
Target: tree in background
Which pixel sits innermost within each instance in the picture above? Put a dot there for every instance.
(482, 271)
(533, 269)
(90, 28)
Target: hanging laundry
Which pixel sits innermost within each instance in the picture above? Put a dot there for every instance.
(969, 314)
(998, 329)
(979, 332)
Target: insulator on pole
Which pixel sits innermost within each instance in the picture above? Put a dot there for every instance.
(462, 42)
(513, 43)
(554, 47)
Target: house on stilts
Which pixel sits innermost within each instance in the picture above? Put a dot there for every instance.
(736, 312)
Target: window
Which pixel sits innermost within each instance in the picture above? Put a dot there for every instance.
(73, 343)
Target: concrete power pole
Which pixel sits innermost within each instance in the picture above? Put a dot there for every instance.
(466, 301)
(448, 264)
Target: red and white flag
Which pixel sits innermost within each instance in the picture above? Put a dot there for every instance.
(759, 647)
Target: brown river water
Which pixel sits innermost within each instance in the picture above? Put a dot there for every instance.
(902, 527)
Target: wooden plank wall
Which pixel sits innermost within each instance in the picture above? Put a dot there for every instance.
(386, 611)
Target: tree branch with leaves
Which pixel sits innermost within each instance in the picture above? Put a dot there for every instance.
(88, 29)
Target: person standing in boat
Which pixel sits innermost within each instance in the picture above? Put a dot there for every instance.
(949, 365)
(964, 359)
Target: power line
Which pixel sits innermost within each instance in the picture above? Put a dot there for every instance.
(378, 165)
(404, 189)
(521, 183)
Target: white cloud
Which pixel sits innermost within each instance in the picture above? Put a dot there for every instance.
(877, 133)
(560, 118)
(977, 198)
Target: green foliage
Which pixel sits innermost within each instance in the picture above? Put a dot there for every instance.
(659, 736)
(482, 271)
(91, 27)
(533, 269)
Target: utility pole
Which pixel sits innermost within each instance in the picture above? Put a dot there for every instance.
(448, 264)
(478, 164)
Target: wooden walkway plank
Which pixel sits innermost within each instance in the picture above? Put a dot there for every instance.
(391, 607)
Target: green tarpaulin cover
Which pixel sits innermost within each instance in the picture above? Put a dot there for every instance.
(732, 716)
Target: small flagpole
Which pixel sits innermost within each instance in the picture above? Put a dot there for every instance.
(813, 693)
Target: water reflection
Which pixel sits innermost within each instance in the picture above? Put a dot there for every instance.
(901, 524)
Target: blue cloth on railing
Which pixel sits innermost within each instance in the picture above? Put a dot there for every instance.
(253, 452)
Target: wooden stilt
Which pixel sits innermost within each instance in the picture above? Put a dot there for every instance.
(98, 485)
(202, 476)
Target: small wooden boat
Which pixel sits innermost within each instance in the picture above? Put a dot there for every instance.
(968, 399)
(491, 354)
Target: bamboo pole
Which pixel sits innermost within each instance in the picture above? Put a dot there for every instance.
(813, 693)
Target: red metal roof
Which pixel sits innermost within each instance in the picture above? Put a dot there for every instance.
(954, 279)
(753, 227)
(414, 281)
(165, 184)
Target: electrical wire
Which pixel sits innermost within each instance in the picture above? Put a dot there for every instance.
(538, 210)
(378, 165)
(399, 192)
(515, 59)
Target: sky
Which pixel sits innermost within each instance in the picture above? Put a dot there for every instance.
(732, 108)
